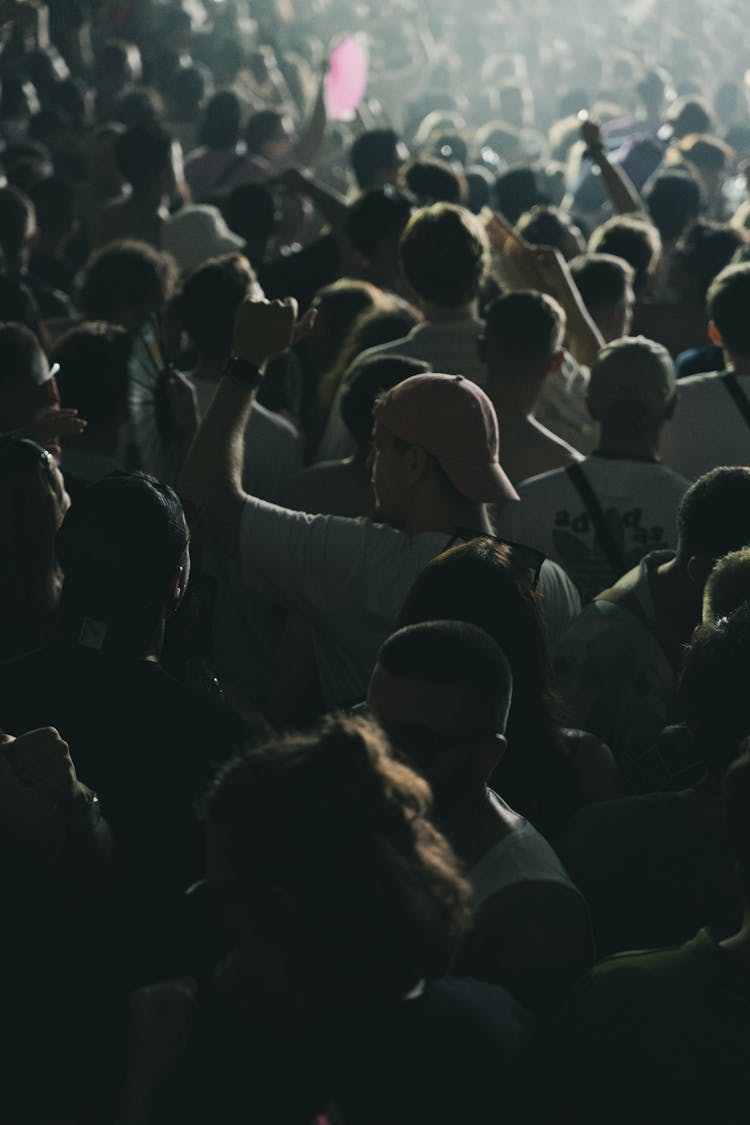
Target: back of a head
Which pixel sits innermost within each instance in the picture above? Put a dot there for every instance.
(525, 327)
(689, 115)
(221, 121)
(144, 153)
(737, 785)
(93, 376)
(373, 377)
(714, 515)
(431, 180)
(17, 304)
(444, 255)
(728, 303)
(375, 155)
(119, 546)
(337, 823)
(261, 127)
(457, 655)
(16, 219)
(125, 274)
(250, 211)
(378, 215)
(141, 107)
(516, 191)
(21, 369)
(549, 226)
(54, 205)
(634, 240)
(209, 299)
(674, 201)
(706, 250)
(714, 689)
(728, 586)
(602, 280)
(340, 304)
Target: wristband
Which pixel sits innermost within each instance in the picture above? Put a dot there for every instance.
(243, 372)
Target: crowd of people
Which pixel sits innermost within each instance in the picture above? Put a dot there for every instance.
(374, 563)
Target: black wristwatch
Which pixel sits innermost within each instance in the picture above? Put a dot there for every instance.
(242, 371)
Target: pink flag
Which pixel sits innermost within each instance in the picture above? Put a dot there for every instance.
(346, 80)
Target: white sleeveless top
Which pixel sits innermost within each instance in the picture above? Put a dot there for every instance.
(523, 856)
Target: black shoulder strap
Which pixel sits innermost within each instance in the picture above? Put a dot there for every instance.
(732, 383)
(601, 527)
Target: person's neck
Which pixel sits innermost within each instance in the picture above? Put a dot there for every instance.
(513, 397)
(626, 442)
(150, 197)
(436, 514)
(471, 824)
(737, 363)
(209, 368)
(678, 602)
(440, 313)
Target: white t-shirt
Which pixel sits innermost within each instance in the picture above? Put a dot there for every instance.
(449, 346)
(246, 628)
(350, 578)
(707, 429)
(523, 856)
(561, 406)
(639, 500)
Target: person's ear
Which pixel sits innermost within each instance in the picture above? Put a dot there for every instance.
(491, 753)
(714, 335)
(698, 569)
(417, 463)
(556, 362)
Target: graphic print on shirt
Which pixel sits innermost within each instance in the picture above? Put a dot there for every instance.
(580, 552)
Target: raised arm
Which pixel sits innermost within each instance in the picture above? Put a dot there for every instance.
(621, 190)
(211, 478)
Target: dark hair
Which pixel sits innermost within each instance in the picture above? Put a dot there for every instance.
(209, 299)
(335, 820)
(714, 690)
(143, 153)
(371, 378)
(93, 374)
(727, 305)
(477, 582)
(714, 515)
(525, 325)
(706, 249)
(737, 785)
(250, 211)
(433, 181)
(17, 304)
(728, 584)
(479, 182)
(455, 653)
(673, 199)
(125, 274)
(392, 320)
(140, 108)
(339, 305)
(16, 213)
(544, 225)
(221, 121)
(373, 152)
(261, 128)
(187, 87)
(19, 351)
(54, 204)
(689, 115)
(636, 241)
(30, 508)
(118, 547)
(516, 191)
(443, 254)
(377, 215)
(602, 280)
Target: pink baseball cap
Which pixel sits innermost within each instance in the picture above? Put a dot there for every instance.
(454, 421)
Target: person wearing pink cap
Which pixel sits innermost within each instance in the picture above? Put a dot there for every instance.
(435, 466)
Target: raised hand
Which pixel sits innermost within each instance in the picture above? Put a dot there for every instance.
(41, 761)
(263, 329)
